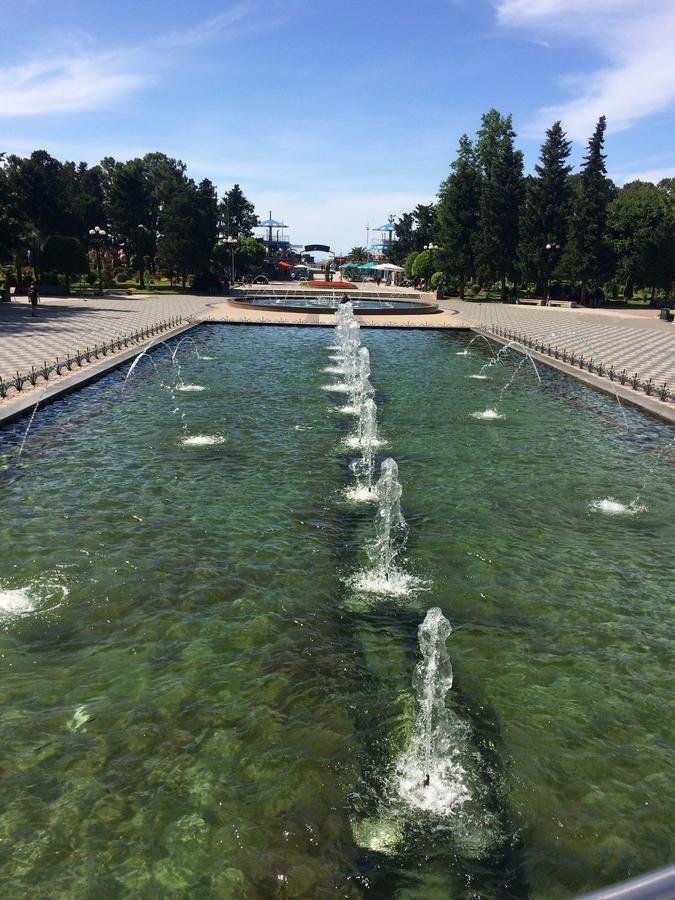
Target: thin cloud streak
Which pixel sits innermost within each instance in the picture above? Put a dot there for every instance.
(87, 79)
(636, 35)
(652, 175)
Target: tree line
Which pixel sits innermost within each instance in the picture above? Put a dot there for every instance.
(556, 232)
(155, 217)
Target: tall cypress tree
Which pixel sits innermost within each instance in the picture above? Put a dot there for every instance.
(547, 209)
(458, 213)
(500, 203)
(587, 257)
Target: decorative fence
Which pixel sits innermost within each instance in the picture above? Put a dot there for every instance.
(79, 357)
(572, 358)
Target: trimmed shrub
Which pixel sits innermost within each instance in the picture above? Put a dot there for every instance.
(205, 281)
(436, 279)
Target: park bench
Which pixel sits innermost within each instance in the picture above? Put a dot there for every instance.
(530, 301)
(8, 295)
(570, 304)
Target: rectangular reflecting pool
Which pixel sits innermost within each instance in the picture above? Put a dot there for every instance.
(197, 702)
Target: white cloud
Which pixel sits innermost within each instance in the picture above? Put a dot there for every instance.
(653, 175)
(67, 84)
(88, 78)
(635, 38)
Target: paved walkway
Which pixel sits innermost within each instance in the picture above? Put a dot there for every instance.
(64, 325)
(638, 342)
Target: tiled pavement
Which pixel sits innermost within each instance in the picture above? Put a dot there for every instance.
(65, 325)
(638, 343)
(635, 342)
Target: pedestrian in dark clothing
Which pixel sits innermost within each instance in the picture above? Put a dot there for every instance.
(33, 296)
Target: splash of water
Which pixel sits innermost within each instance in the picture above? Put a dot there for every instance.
(363, 467)
(366, 436)
(203, 440)
(390, 526)
(43, 595)
(611, 507)
(429, 773)
(479, 334)
(142, 355)
(182, 341)
(16, 602)
(391, 531)
(489, 414)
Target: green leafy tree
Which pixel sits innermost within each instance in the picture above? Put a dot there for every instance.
(587, 257)
(164, 175)
(87, 200)
(358, 255)
(10, 216)
(413, 231)
(65, 254)
(546, 210)
(494, 129)
(129, 206)
(500, 204)
(249, 254)
(406, 241)
(458, 213)
(425, 221)
(642, 233)
(188, 225)
(41, 186)
(408, 264)
(423, 265)
(237, 213)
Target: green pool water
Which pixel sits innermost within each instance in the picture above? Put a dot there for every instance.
(196, 704)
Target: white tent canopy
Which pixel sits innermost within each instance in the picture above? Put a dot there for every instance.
(388, 267)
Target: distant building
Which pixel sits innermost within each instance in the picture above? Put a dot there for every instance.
(275, 241)
(388, 233)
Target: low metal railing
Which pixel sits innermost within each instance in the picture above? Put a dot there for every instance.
(80, 357)
(573, 358)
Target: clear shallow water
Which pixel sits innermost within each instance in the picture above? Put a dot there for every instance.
(196, 703)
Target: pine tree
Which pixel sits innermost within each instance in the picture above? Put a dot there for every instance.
(500, 204)
(587, 257)
(237, 213)
(546, 210)
(459, 214)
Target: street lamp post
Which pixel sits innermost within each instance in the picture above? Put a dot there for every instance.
(97, 235)
(551, 251)
(142, 256)
(231, 243)
(430, 250)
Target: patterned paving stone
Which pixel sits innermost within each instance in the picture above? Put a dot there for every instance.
(636, 342)
(65, 325)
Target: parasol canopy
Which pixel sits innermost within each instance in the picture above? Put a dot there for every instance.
(389, 267)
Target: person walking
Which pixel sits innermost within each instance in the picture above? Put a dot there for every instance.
(33, 296)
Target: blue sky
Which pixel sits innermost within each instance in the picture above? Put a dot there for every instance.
(335, 115)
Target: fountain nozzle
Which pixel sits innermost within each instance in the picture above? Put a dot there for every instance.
(427, 779)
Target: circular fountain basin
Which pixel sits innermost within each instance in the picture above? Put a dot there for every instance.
(317, 303)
